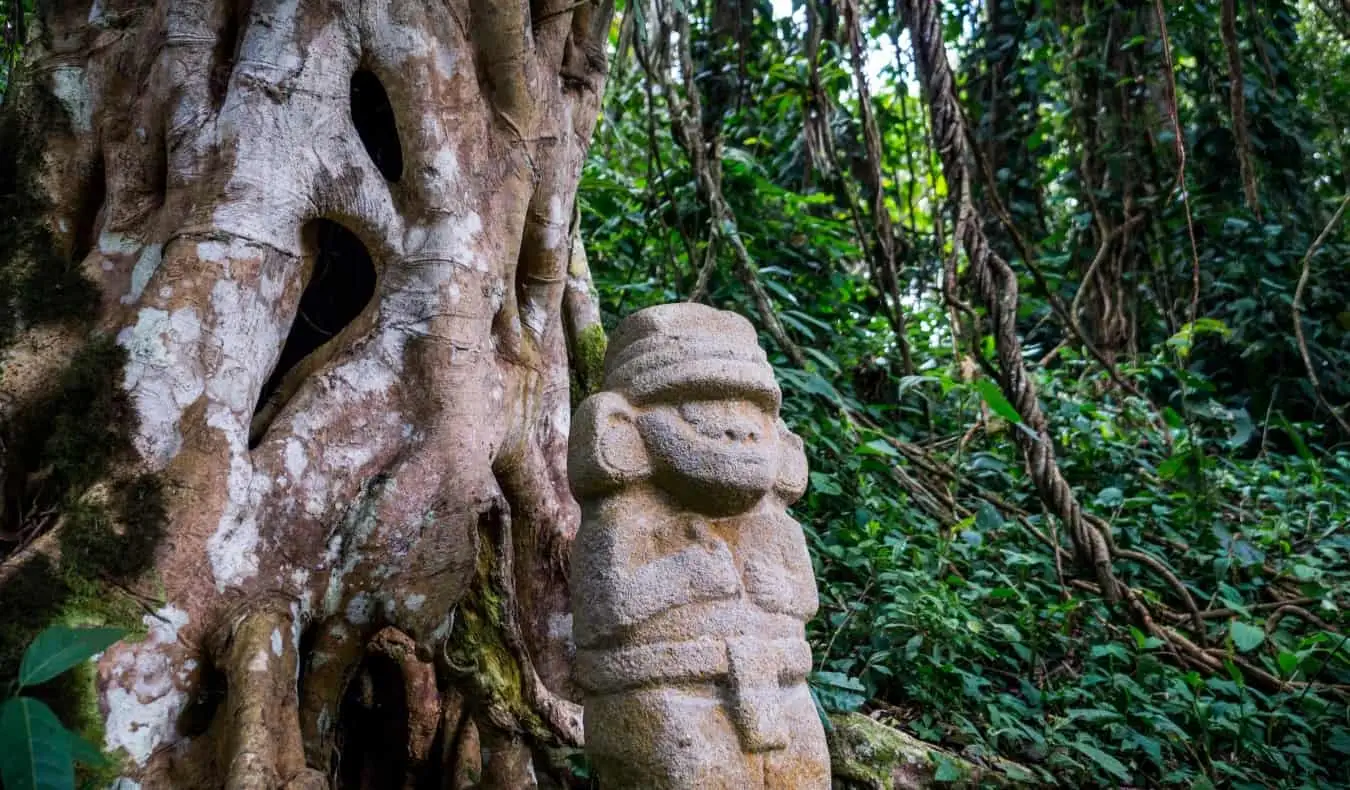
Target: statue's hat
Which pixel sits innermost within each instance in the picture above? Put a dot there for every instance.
(689, 351)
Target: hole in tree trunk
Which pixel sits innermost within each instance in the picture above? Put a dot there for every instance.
(341, 284)
(87, 219)
(372, 738)
(374, 118)
(197, 715)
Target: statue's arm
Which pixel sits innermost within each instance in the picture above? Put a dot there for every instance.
(701, 572)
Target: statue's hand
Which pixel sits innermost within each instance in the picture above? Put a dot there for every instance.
(698, 531)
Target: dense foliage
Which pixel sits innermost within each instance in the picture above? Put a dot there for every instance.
(1168, 182)
(733, 166)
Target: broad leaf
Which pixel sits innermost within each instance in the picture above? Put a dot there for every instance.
(1246, 637)
(837, 692)
(34, 748)
(59, 648)
(993, 396)
(1103, 760)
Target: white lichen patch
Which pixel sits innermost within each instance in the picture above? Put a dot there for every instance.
(561, 420)
(276, 642)
(560, 627)
(555, 232)
(233, 548)
(259, 663)
(366, 376)
(162, 376)
(247, 337)
(143, 697)
(113, 243)
(415, 601)
(447, 166)
(296, 458)
(151, 256)
(71, 87)
(359, 609)
(442, 629)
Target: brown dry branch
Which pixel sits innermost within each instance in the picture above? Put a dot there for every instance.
(883, 265)
(1298, 315)
(1179, 145)
(1237, 103)
(706, 161)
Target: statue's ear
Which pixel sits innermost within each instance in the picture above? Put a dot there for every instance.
(605, 450)
(792, 472)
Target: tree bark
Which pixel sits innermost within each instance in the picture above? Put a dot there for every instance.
(321, 247)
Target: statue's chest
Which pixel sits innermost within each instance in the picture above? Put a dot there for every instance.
(767, 564)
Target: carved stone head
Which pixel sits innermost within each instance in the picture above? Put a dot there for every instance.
(691, 405)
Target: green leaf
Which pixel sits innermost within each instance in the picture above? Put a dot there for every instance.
(837, 692)
(878, 447)
(987, 518)
(1094, 714)
(1173, 419)
(1245, 637)
(993, 396)
(59, 648)
(1103, 760)
(1110, 497)
(824, 484)
(1288, 662)
(34, 747)
(947, 771)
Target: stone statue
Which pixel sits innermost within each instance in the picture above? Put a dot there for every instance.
(691, 584)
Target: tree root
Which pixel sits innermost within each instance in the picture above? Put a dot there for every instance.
(263, 747)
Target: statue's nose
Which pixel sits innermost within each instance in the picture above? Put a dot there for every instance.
(741, 434)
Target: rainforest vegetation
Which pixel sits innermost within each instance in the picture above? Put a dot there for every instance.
(1058, 293)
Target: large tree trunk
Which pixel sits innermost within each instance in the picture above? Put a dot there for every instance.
(286, 378)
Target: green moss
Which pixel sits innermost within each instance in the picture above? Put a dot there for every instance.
(588, 362)
(63, 456)
(866, 754)
(65, 441)
(477, 642)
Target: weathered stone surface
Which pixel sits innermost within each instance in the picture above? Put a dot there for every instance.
(691, 585)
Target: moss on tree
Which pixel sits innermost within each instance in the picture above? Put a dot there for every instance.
(478, 651)
(63, 455)
(588, 363)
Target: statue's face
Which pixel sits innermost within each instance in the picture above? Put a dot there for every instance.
(718, 456)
